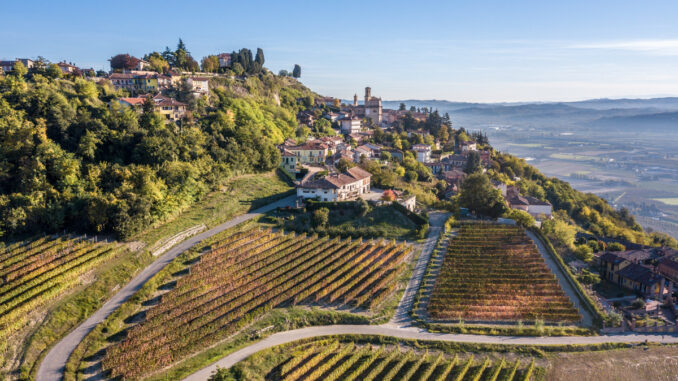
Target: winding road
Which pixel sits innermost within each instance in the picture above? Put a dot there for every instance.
(411, 333)
(52, 366)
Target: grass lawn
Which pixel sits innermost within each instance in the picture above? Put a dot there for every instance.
(384, 218)
(668, 201)
(237, 196)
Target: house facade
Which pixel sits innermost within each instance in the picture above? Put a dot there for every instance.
(171, 109)
(224, 60)
(351, 125)
(344, 186)
(468, 145)
(535, 207)
(447, 164)
(8, 66)
(289, 161)
(423, 152)
(312, 152)
(135, 83)
(199, 85)
(636, 270)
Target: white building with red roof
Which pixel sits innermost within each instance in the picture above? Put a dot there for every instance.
(344, 186)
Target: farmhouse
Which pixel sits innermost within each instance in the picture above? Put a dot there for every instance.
(634, 270)
(532, 205)
(337, 187)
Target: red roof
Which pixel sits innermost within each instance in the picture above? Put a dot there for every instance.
(136, 101)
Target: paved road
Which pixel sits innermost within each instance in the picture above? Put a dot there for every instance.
(587, 319)
(402, 317)
(413, 333)
(51, 367)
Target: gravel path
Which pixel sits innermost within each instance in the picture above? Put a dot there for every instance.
(401, 317)
(52, 366)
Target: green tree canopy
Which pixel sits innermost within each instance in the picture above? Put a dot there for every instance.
(479, 196)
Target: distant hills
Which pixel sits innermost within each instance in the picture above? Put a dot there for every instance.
(656, 114)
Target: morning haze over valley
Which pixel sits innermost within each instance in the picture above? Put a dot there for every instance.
(339, 191)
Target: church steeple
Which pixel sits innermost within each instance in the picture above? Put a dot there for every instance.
(355, 99)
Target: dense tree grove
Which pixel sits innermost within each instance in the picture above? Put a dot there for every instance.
(72, 158)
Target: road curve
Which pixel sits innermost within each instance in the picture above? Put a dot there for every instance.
(52, 366)
(418, 334)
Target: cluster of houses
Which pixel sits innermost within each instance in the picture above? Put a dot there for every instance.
(650, 271)
(66, 67)
(140, 82)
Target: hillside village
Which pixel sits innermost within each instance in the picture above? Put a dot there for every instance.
(363, 187)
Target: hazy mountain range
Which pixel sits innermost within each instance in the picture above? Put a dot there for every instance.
(658, 114)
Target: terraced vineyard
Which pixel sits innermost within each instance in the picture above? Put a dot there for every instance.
(330, 360)
(495, 273)
(243, 276)
(33, 273)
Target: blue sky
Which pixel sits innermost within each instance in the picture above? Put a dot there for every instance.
(456, 50)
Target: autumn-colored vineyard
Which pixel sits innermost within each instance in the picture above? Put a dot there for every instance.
(495, 273)
(32, 273)
(330, 361)
(243, 276)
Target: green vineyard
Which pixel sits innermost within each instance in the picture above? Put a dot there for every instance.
(495, 273)
(33, 273)
(244, 275)
(331, 361)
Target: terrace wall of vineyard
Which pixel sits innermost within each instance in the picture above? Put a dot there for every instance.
(243, 276)
(34, 273)
(495, 273)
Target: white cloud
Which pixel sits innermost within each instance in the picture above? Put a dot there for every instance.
(667, 47)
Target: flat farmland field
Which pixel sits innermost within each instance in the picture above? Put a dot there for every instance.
(494, 272)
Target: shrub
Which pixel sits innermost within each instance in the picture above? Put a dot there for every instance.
(584, 252)
(321, 217)
(638, 304)
(616, 246)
